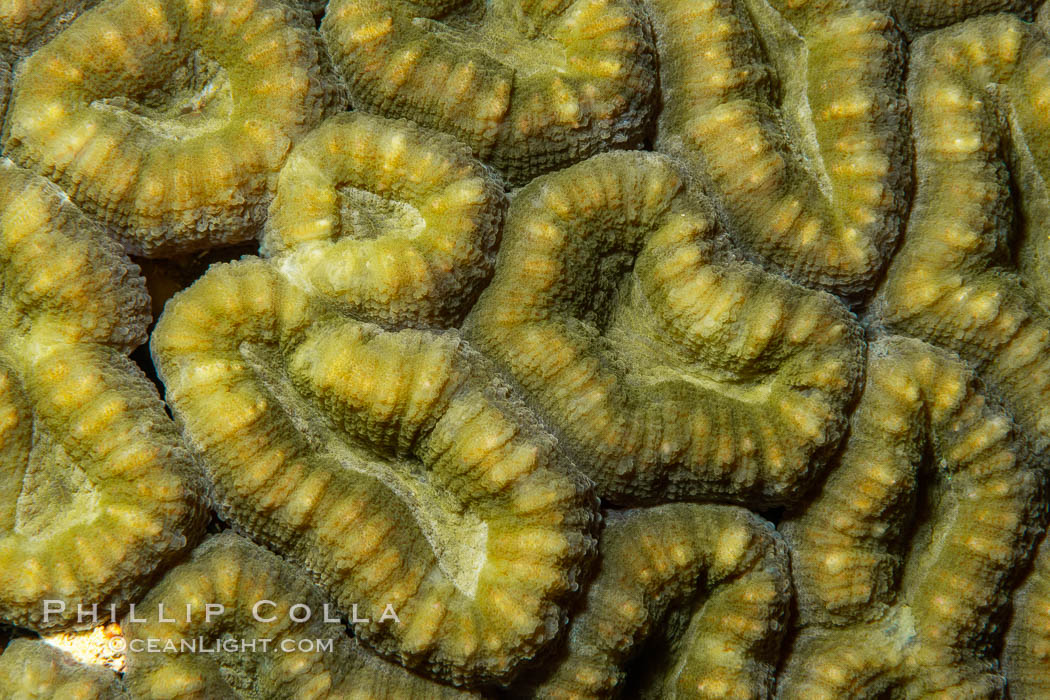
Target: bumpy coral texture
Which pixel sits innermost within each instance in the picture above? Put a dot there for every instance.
(390, 464)
(1026, 658)
(394, 223)
(96, 487)
(531, 86)
(926, 14)
(716, 576)
(5, 88)
(672, 369)
(828, 289)
(802, 136)
(25, 25)
(902, 561)
(287, 661)
(974, 271)
(168, 119)
(33, 670)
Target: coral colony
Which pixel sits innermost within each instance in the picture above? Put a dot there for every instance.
(524, 349)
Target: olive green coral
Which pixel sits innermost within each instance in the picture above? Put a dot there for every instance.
(96, 486)
(388, 463)
(169, 119)
(801, 135)
(663, 319)
(396, 223)
(722, 568)
(5, 88)
(262, 607)
(531, 86)
(980, 150)
(25, 25)
(34, 670)
(1026, 657)
(926, 14)
(672, 369)
(902, 560)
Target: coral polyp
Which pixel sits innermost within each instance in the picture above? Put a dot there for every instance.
(530, 87)
(391, 464)
(98, 492)
(394, 223)
(672, 369)
(899, 573)
(169, 119)
(575, 348)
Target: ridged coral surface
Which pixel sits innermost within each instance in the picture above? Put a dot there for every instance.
(888, 600)
(671, 368)
(97, 488)
(394, 223)
(537, 348)
(168, 119)
(229, 570)
(389, 463)
(529, 86)
(33, 670)
(721, 570)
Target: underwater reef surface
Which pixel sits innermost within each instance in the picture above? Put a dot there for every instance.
(525, 349)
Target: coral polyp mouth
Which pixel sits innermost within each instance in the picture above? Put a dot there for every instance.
(168, 120)
(365, 216)
(195, 99)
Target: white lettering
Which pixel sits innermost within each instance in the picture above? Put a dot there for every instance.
(53, 607)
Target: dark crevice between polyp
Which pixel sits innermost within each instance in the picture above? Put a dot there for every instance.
(165, 278)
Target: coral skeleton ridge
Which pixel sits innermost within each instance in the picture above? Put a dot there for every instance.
(672, 369)
(530, 86)
(169, 119)
(389, 463)
(899, 573)
(229, 570)
(98, 492)
(395, 223)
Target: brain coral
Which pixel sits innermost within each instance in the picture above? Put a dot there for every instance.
(33, 670)
(672, 369)
(530, 86)
(5, 88)
(974, 271)
(396, 223)
(569, 261)
(96, 488)
(168, 119)
(287, 662)
(925, 14)
(27, 24)
(390, 464)
(800, 134)
(1026, 658)
(902, 560)
(716, 575)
